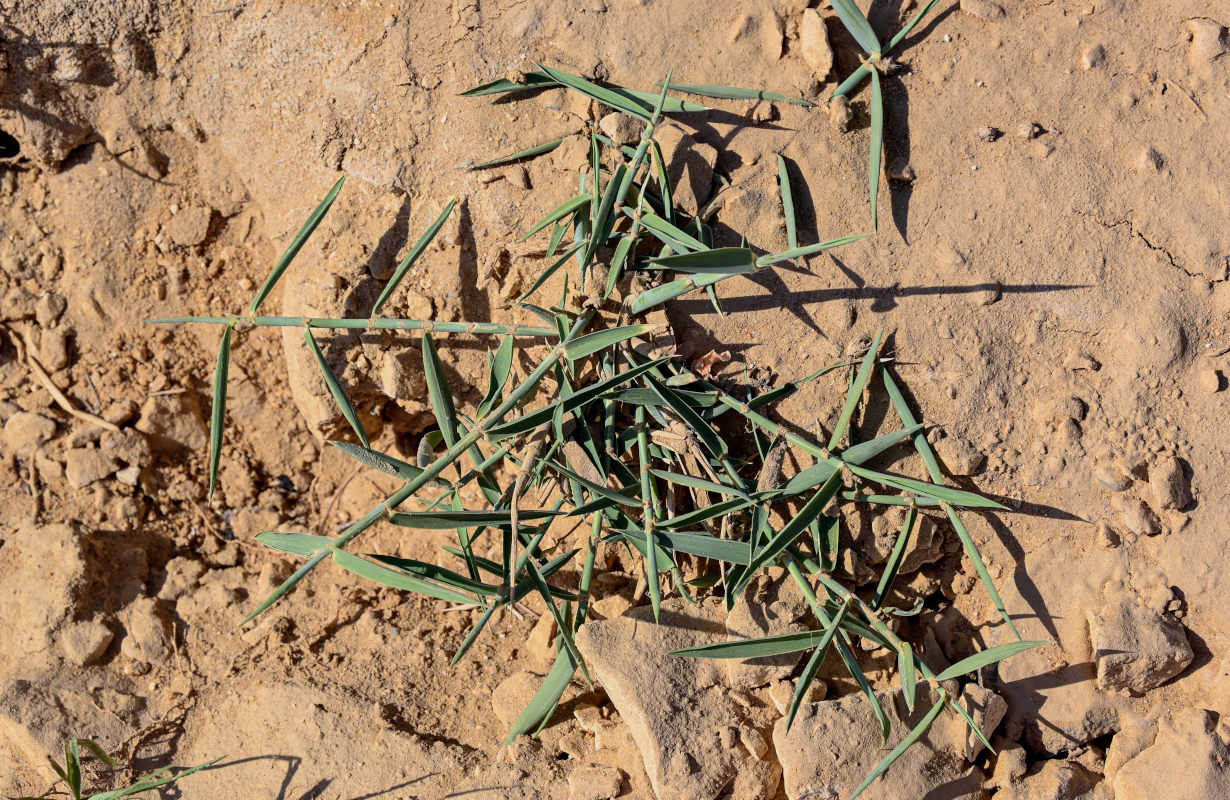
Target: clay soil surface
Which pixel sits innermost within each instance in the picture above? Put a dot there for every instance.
(1051, 269)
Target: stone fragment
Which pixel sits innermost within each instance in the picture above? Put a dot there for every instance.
(1169, 484)
(833, 745)
(44, 573)
(24, 432)
(322, 729)
(85, 642)
(814, 43)
(150, 638)
(1093, 56)
(53, 349)
(1135, 648)
(190, 226)
(621, 128)
(983, 9)
(49, 308)
(959, 455)
(1189, 760)
(988, 710)
(1137, 516)
(680, 718)
(1209, 380)
(174, 423)
(85, 465)
(1206, 42)
(1056, 779)
(594, 783)
(1133, 736)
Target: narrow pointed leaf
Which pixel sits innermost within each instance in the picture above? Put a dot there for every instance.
(300, 544)
(877, 147)
(218, 412)
(559, 212)
(533, 80)
(855, 393)
(783, 179)
(444, 520)
(895, 558)
(671, 235)
(865, 451)
(905, 744)
(725, 260)
(335, 389)
(439, 391)
(697, 544)
(699, 428)
(536, 150)
(153, 782)
(296, 245)
(938, 491)
(699, 483)
(856, 23)
(396, 579)
(601, 94)
(909, 26)
(992, 656)
(813, 666)
(593, 342)
(736, 93)
(906, 672)
(808, 250)
(971, 550)
(547, 697)
(417, 250)
(379, 461)
(797, 524)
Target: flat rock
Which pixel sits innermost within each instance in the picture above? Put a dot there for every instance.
(678, 710)
(767, 608)
(1135, 648)
(833, 745)
(24, 432)
(621, 128)
(1055, 779)
(174, 423)
(1169, 484)
(594, 783)
(42, 575)
(285, 740)
(150, 638)
(86, 465)
(190, 226)
(814, 43)
(1054, 703)
(1188, 760)
(85, 642)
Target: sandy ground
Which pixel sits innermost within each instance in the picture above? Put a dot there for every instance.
(1051, 266)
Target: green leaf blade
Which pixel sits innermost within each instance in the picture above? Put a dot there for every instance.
(296, 245)
(218, 411)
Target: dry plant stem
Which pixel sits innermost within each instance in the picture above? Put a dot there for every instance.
(428, 326)
(431, 471)
(27, 355)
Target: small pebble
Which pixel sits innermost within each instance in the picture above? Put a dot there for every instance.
(1029, 130)
(1112, 478)
(989, 134)
(1093, 56)
(1169, 484)
(1209, 380)
(1107, 536)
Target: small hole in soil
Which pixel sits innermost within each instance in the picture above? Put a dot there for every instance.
(9, 147)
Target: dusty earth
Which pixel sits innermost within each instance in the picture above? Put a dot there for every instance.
(1051, 265)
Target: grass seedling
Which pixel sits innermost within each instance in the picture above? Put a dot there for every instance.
(610, 432)
(70, 772)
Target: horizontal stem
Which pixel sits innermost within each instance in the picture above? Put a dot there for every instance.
(365, 324)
